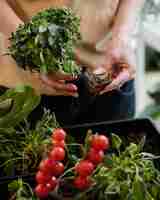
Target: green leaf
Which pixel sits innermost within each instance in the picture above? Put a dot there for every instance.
(88, 140)
(51, 41)
(108, 161)
(53, 28)
(116, 141)
(15, 185)
(138, 188)
(42, 28)
(24, 101)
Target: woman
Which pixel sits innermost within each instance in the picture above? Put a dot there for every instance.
(106, 28)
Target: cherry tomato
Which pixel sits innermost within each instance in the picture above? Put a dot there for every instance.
(100, 142)
(57, 154)
(41, 191)
(84, 168)
(58, 169)
(82, 183)
(59, 134)
(52, 183)
(95, 156)
(42, 177)
(59, 143)
(46, 165)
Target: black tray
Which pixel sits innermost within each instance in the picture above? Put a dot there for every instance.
(121, 128)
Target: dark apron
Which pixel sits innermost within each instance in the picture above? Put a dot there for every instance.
(88, 108)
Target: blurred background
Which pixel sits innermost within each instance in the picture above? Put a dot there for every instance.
(148, 59)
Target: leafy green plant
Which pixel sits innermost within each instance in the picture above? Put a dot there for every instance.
(22, 148)
(46, 42)
(125, 175)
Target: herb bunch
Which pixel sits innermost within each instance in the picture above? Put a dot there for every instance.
(46, 42)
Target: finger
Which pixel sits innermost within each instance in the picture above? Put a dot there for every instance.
(59, 85)
(52, 92)
(58, 76)
(122, 78)
(64, 76)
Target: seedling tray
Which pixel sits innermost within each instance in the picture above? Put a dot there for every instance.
(133, 130)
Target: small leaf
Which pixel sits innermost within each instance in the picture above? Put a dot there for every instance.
(116, 141)
(15, 185)
(138, 188)
(42, 29)
(88, 140)
(108, 161)
(42, 57)
(51, 41)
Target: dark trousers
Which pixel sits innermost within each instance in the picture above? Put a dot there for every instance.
(87, 108)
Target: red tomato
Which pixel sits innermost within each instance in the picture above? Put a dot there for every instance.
(46, 165)
(52, 184)
(100, 142)
(82, 183)
(42, 177)
(84, 168)
(59, 134)
(57, 154)
(41, 191)
(95, 156)
(58, 169)
(59, 143)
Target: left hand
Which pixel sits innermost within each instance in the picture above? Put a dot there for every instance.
(120, 60)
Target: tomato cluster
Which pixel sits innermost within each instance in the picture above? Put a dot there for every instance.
(99, 143)
(51, 167)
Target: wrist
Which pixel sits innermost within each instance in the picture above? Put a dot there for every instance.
(124, 35)
(121, 31)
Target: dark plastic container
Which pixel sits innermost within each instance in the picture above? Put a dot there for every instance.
(132, 129)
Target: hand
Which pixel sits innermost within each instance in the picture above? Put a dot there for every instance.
(120, 60)
(55, 85)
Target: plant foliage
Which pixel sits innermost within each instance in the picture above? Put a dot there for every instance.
(46, 42)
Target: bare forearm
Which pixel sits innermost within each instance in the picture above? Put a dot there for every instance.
(10, 74)
(8, 19)
(127, 15)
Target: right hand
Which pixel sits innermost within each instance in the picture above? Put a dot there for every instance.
(55, 85)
